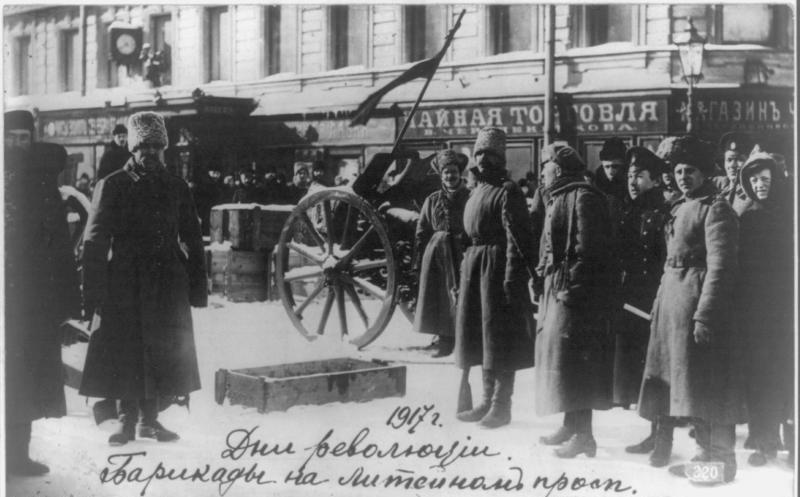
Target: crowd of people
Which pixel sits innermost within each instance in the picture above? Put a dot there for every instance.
(658, 282)
(655, 283)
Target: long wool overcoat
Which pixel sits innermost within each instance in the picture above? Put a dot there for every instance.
(440, 240)
(574, 343)
(492, 324)
(764, 297)
(640, 248)
(145, 345)
(41, 283)
(683, 378)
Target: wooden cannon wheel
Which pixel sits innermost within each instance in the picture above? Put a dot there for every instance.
(334, 249)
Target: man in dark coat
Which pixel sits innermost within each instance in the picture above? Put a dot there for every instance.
(116, 153)
(764, 296)
(492, 324)
(693, 369)
(144, 351)
(41, 287)
(610, 176)
(640, 250)
(574, 344)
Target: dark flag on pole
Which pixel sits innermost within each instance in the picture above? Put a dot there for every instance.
(423, 69)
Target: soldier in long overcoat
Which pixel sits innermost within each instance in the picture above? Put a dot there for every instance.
(764, 301)
(692, 367)
(144, 351)
(640, 248)
(41, 287)
(492, 324)
(439, 246)
(574, 344)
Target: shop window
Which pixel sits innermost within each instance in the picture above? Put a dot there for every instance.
(272, 39)
(599, 24)
(347, 46)
(70, 68)
(218, 49)
(424, 31)
(511, 28)
(22, 67)
(161, 44)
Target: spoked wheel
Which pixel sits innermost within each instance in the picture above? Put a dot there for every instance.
(334, 251)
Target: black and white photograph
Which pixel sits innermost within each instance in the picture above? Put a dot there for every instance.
(399, 249)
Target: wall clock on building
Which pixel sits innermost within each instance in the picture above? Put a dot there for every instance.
(126, 43)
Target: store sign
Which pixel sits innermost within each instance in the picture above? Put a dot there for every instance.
(589, 117)
(737, 113)
(80, 127)
(339, 132)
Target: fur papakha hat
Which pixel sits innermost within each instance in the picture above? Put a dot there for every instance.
(450, 158)
(693, 151)
(147, 127)
(643, 158)
(613, 149)
(491, 140)
(565, 156)
(18, 119)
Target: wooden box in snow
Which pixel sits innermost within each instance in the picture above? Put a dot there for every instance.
(277, 388)
(248, 226)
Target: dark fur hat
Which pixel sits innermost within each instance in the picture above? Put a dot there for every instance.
(644, 159)
(18, 119)
(566, 157)
(613, 149)
(693, 151)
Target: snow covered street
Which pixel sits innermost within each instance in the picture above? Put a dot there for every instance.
(235, 451)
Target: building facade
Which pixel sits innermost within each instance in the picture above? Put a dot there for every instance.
(265, 86)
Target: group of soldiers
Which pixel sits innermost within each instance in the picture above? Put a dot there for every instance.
(677, 299)
(657, 284)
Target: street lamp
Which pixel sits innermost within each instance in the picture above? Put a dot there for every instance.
(690, 48)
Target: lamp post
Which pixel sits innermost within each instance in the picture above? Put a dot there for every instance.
(690, 49)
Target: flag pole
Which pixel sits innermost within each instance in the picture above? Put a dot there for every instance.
(447, 41)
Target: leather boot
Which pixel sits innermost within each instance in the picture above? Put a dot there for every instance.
(126, 431)
(445, 346)
(580, 443)
(150, 427)
(500, 412)
(563, 433)
(18, 461)
(478, 412)
(645, 446)
(663, 444)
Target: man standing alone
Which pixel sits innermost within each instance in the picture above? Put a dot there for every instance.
(41, 287)
(144, 352)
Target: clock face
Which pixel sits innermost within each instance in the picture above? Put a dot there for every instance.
(126, 44)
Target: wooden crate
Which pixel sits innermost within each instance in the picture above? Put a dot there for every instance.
(277, 388)
(218, 224)
(249, 226)
(246, 276)
(216, 265)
